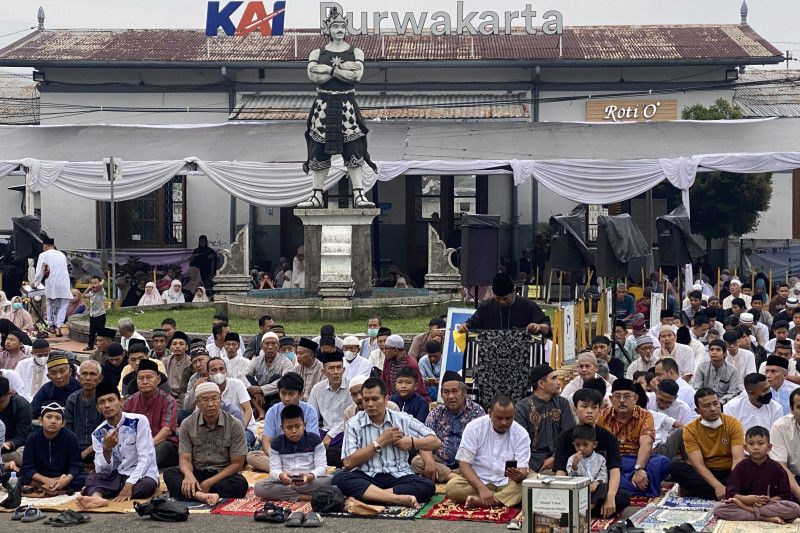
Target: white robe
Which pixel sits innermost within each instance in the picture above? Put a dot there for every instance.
(28, 370)
(57, 284)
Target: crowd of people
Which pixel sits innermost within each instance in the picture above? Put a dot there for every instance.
(707, 398)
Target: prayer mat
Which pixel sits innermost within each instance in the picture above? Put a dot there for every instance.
(726, 526)
(673, 501)
(449, 510)
(112, 507)
(600, 524)
(45, 504)
(251, 503)
(394, 512)
(660, 518)
(437, 498)
(503, 365)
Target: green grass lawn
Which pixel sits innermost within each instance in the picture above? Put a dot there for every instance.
(199, 321)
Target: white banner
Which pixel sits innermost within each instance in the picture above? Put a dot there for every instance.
(610, 295)
(688, 278)
(656, 305)
(569, 333)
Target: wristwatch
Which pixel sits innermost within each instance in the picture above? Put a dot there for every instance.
(637, 467)
(377, 446)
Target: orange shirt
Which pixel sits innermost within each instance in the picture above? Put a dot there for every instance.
(715, 444)
(627, 433)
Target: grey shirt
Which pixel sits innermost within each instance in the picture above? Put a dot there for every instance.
(267, 376)
(82, 417)
(723, 381)
(330, 404)
(544, 422)
(97, 303)
(212, 448)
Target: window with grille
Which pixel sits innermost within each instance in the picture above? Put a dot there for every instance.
(155, 220)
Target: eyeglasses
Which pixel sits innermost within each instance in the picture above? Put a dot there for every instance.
(623, 397)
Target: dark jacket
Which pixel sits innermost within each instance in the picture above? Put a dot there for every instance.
(489, 315)
(49, 393)
(53, 458)
(17, 419)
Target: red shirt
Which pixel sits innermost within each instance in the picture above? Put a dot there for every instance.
(159, 409)
(406, 360)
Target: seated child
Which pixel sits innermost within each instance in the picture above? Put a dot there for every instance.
(297, 461)
(588, 463)
(51, 461)
(406, 396)
(758, 488)
(430, 367)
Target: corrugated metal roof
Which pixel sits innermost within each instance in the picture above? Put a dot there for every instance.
(389, 106)
(19, 100)
(776, 95)
(579, 43)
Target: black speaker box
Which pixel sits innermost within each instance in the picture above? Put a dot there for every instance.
(480, 249)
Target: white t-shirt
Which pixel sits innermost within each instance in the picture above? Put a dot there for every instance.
(679, 410)
(238, 367)
(785, 438)
(663, 426)
(770, 346)
(744, 361)
(487, 451)
(764, 416)
(236, 393)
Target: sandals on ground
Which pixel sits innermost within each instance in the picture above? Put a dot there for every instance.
(272, 514)
(68, 518)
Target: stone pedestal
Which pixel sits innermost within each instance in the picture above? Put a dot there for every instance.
(338, 246)
(234, 275)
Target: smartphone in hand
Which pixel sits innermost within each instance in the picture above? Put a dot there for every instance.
(511, 464)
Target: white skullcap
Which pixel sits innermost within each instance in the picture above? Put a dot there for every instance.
(667, 327)
(270, 335)
(735, 281)
(357, 381)
(350, 341)
(395, 341)
(697, 287)
(204, 388)
(746, 318)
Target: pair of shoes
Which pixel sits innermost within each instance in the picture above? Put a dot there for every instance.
(298, 519)
(31, 514)
(271, 513)
(68, 518)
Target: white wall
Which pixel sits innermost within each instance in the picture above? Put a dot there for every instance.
(776, 222)
(69, 219)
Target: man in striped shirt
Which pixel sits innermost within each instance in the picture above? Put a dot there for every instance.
(375, 453)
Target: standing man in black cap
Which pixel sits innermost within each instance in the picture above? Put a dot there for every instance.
(544, 415)
(52, 265)
(506, 310)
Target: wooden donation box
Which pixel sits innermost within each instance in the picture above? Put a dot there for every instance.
(556, 504)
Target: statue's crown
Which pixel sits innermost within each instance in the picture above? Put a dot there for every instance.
(334, 16)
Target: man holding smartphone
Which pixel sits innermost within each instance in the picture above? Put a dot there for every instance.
(493, 459)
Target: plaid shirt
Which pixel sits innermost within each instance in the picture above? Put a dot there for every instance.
(449, 427)
(361, 432)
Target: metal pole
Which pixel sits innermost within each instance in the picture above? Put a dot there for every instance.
(113, 285)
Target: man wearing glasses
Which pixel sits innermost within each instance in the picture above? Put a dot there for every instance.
(633, 427)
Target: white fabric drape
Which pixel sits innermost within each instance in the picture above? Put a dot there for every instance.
(589, 181)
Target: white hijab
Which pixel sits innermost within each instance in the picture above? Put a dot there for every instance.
(171, 295)
(150, 299)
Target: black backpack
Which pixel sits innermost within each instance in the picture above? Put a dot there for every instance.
(163, 510)
(327, 500)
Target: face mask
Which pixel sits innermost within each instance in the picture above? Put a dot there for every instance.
(290, 356)
(712, 425)
(17, 305)
(41, 360)
(372, 332)
(219, 379)
(764, 400)
(349, 356)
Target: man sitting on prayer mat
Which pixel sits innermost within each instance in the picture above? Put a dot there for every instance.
(212, 453)
(448, 422)
(124, 455)
(489, 447)
(62, 383)
(755, 407)
(641, 470)
(375, 453)
(544, 415)
(714, 445)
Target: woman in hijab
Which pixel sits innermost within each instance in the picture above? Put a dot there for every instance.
(150, 296)
(19, 316)
(200, 295)
(76, 305)
(174, 295)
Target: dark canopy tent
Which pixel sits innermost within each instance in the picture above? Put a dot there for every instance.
(676, 245)
(622, 250)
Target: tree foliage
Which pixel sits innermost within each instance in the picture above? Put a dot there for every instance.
(725, 203)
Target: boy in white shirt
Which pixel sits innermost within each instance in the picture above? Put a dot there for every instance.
(586, 462)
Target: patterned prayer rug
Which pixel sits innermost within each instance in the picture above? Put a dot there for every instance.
(394, 512)
(673, 501)
(449, 510)
(660, 518)
(726, 526)
(251, 503)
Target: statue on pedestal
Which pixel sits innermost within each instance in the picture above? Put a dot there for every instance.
(335, 125)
